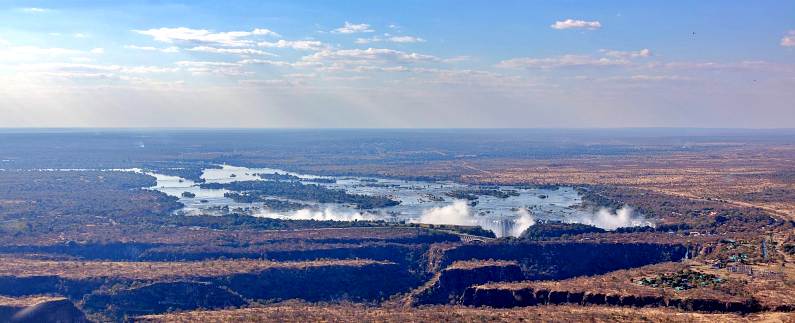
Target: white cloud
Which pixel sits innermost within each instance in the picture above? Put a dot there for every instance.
(35, 10)
(82, 71)
(350, 28)
(71, 75)
(368, 40)
(33, 53)
(560, 62)
(265, 62)
(789, 39)
(608, 58)
(357, 60)
(203, 36)
(743, 65)
(79, 35)
(295, 44)
(97, 51)
(576, 24)
(629, 54)
(647, 78)
(74, 67)
(233, 51)
(206, 64)
(81, 59)
(392, 39)
(406, 39)
(369, 54)
(271, 82)
(457, 59)
(210, 67)
(172, 49)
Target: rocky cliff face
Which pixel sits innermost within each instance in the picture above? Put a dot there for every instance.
(161, 297)
(363, 283)
(506, 298)
(561, 260)
(57, 310)
(117, 297)
(448, 286)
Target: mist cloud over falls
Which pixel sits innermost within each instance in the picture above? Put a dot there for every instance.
(459, 213)
(327, 214)
(609, 220)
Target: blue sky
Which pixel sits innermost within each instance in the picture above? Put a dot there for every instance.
(397, 63)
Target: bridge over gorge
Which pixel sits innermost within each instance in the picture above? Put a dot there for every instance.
(468, 238)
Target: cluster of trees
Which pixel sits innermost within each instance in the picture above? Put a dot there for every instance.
(189, 170)
(47, 201)
(278, 177)
(305, 192)
(554, 229)
(674, 227)
(287, 177)
(270, 203)
(474, 194)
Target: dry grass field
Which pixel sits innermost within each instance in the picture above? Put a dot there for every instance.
(548, 313)
(21, 267)
(748, 176)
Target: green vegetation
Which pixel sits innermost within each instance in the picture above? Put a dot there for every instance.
(278, 177)
(681, 280)
(305, 192)
(554, 229)
(270, 203)
(287, 177)
(40, 202)
(470, 230)
(473, 194)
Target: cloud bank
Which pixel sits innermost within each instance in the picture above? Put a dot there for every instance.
(204, 36)
(576, 24)
(789, 39)
(350, 28)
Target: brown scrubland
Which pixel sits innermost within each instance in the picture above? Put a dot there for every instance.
(722, 249)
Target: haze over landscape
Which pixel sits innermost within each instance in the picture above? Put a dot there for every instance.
(397, 161)
(397, 64)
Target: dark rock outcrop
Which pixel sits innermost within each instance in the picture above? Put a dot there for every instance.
(508, 297)
(161, 297)
(374, 282)
(57, 310)
(561, 260)
(449, 285)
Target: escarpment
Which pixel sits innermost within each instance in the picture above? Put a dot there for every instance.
(40, 309)
(448, 286)
(561, 260)
(507, 298)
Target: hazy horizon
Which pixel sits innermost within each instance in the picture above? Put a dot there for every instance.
(408, 64)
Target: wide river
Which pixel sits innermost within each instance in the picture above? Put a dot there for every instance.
(420, 202)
